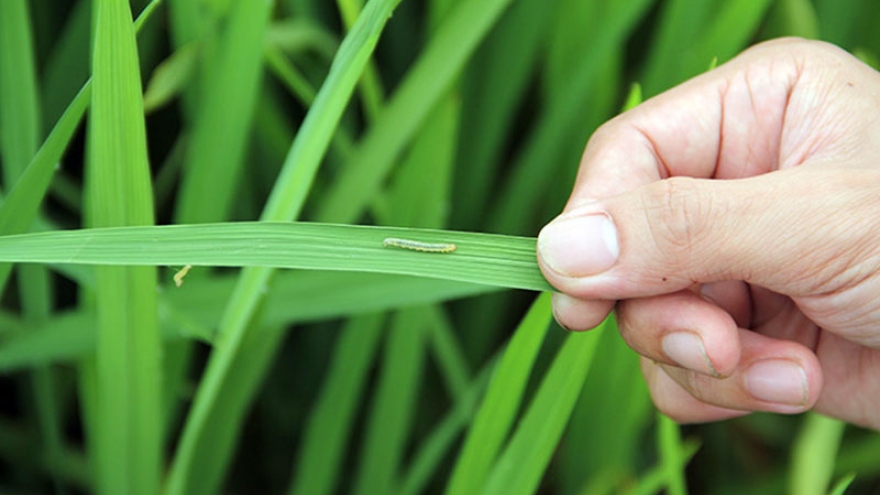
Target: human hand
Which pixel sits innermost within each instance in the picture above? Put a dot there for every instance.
(755, 294)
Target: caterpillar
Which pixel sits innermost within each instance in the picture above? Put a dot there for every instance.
(425, 247)
(178, 277)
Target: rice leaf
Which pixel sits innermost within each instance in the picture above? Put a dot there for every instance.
(169, 78)
(656, 478)
(427, 81)
(814, 455)
(493, 85)
(501, 404)
(128, 436)
(220, 128)
(191, 312)
(489, 259)
(19, 209)
(197, 465)
(672, 454)
(20, 130)
(522, 464)
(393, 406)
(842, 485)
(330, 422)
(618, 422)
(432, 450)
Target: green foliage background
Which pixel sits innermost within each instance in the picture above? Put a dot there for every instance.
(305, 358)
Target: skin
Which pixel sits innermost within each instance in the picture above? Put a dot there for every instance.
(742, 210)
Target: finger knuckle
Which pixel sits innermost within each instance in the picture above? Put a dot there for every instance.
(679, 213)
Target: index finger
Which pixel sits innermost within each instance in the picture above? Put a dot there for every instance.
(727, 123)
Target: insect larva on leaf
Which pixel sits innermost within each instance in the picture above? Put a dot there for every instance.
(178, 277)
(425, 247)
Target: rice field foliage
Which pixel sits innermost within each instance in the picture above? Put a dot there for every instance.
(198, 292)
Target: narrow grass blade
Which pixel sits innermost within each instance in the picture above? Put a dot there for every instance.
(128, 436)
(65, 338)
(301, 34)
(19, 209)
(493, 86)
(792, 18)
(66, 67)
(517, 203)
(860, 456)
(314, 136)
(655, 479)
(489, 259)
(727, 34)
(814, 455)
(633, 98)
(618, 422)
(324, 295)
(191, 312)
(170, 77)
(719, 34)
(370, 87)
(190, 472)
(572, 19)
(19, 108)
(449, 354)
(672, 454)
(425, 84)
(681, 22)
(417, 194)
(432, 450)
(295, 81)
(393, 405)
(329, 425)
(501, 403)
(521, 466)
(220, 134)
(256, 354)
(20, 131)
(841, 486)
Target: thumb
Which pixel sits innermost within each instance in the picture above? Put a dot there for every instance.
(797, 232)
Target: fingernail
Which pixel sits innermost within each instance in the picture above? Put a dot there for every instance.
(779, 381)
(554, 308)
(688, 351)
(579, 246)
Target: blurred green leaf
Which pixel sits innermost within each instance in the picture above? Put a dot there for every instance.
(814, 455)
(191, 312)
(672, 454)
(128, 437)
(330, 423)
(227, 98)
(426, 82)
(170, 77)
(501, 404)
(841, 486)
(524, 461)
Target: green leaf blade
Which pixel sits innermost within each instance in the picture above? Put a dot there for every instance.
(128, 436)
(520, 467)
(501, 404)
